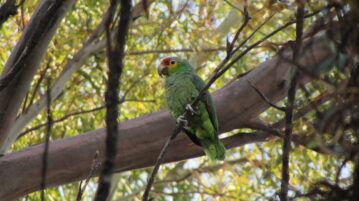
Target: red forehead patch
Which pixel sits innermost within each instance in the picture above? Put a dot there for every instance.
(166, 61)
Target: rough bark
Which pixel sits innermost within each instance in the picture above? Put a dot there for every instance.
(25, 59)
(142, 138)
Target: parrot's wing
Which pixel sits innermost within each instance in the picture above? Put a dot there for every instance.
(192, 136)
(206, 100)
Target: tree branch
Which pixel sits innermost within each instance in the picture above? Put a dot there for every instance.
(290, 105)
(65, 117)
(47, 141)
(82, 187)
(283, 109)
(159, 161)
(115, 61)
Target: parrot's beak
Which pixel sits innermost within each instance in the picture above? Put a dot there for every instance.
(162, 70)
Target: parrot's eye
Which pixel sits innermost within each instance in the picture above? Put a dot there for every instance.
(173, 62)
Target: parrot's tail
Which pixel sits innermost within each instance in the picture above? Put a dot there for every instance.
(214, 149)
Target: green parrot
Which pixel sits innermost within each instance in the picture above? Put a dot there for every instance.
(182, 87)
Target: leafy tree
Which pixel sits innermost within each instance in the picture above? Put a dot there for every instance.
(292, 80)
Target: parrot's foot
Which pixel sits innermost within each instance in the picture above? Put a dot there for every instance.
(182, 119)
(191, 110)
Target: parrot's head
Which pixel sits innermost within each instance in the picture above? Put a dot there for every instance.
(173, 65)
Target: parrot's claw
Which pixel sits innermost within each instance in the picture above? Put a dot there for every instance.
(182, 119)
(190, 109)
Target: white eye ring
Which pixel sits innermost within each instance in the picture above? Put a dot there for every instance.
(173, 62)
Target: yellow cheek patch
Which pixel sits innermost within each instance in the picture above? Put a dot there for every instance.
(171, 66)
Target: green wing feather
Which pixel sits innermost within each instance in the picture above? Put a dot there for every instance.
(206, 100)
(213, 147)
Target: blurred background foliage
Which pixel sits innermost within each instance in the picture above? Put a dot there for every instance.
(196, 30)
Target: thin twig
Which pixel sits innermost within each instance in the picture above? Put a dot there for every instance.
(290, 105)
(65, 117)
(249, 48)
(283, 109)
(94, 167)
(187, 174)
(134, 83)
(214, 194)
(230, 46)
(115, 56)
(47, 139)
(60, 119)
(177, 50)
(37, 86)
(323, 98)
(218, 71)
(159, 161)
(337, 176)
(307, 96)
(253, 32)
(233, 6)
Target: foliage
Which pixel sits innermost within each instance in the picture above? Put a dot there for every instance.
(251, 172)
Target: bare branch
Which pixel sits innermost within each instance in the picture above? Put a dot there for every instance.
(47, 141)
(177, 50)
(159, 161)
(94, 168)
(111, 99)
(115, 62)
(37, 85)
(283, 109)
(230, 46)
(65, 117)
(134, 83)
(291, 98)
(234, 6)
